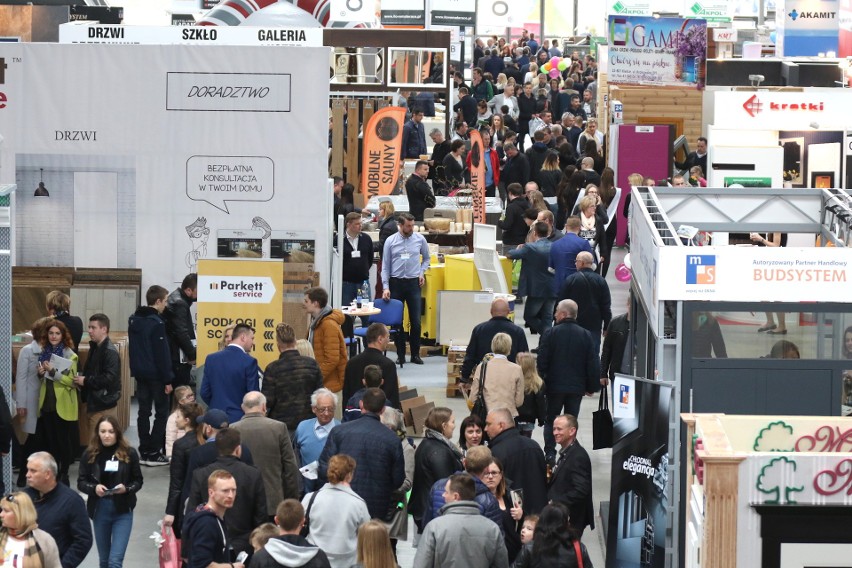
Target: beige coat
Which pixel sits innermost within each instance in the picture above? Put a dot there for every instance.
(269, 442)
(504, 385)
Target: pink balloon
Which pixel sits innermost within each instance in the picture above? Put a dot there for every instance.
(622, 273)
(554, 61)
(554, 73)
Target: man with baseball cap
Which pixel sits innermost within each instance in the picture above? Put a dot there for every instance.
(205, 454)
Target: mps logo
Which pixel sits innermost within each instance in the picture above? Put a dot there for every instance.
(624, 394)
(701, 269)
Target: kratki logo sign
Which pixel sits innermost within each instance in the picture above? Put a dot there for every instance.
(753, 106)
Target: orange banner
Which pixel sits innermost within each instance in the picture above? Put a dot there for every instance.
(382, 140)
(477, 176)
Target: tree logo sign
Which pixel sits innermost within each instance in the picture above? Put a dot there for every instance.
(777, 478)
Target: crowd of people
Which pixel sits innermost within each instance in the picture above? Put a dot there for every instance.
(266, 473)
(308, 462)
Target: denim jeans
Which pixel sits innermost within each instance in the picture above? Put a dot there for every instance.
(407, 290)
(555, 403)
(112, 533)
(538, 313)
(151, 394)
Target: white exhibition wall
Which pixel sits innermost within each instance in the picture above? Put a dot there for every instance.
(164, 141)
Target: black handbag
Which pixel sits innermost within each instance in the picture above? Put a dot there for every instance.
(306, 528)
(479, 407)
(602, 424)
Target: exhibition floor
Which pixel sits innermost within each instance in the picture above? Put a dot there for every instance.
(430, 380)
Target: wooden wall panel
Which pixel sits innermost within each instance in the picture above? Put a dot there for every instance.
(353, 128)
(674, 102)
(338, 114)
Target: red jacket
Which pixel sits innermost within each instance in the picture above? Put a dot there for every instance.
(495, 165)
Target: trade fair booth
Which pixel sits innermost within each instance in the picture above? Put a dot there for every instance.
(700, 313)
(761, 138)
(769, 491)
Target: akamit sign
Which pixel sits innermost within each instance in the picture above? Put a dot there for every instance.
(795, 15)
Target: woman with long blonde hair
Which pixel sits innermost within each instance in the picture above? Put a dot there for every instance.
(534, 406)
(22, 543)
(374, 547)
(500, 83)
(537, 201)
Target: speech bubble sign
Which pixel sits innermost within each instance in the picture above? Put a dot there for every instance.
(217, 179)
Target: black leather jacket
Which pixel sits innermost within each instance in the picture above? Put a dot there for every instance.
(129, 475)
(179, 325)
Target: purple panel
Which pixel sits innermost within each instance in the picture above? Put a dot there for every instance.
(647, 153)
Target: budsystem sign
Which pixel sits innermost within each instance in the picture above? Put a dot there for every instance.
(755, 274)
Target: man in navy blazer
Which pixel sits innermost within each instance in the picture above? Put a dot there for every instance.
(231, 373)
(536, 282)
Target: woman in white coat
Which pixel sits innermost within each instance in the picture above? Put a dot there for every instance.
(335, 512)
(27, 388)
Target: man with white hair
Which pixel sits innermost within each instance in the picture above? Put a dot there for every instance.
(269, 442)
(570, 367)
(311, 434)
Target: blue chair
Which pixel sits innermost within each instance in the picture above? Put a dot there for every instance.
(352, 343)
(391, 316)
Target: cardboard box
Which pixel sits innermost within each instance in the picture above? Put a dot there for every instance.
(294, 314)
(407, 405)
(418, 416)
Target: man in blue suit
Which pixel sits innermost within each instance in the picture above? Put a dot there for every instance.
(536, 282)
(231, 373)
(563, 253)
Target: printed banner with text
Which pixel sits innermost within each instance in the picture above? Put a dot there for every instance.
(453, 12)
(239, 291)
(658, 51)
(382, 141)
(638, 516)
(194, 171)
(403, 13)
(477, 176)
(754, 274)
